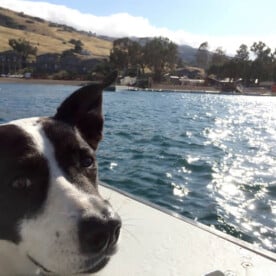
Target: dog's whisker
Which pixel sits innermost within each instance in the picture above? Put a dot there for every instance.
(133, 221)
(123, 204)
(131, 218)
(129, 225)
(132, 235)
(109, 197)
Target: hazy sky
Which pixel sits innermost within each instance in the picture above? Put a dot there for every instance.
(222, 23)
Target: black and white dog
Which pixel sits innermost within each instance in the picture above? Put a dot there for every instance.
(50, 209)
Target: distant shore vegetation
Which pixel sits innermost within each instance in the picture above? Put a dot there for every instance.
(77, 55)
(154, 57)
(160, 55)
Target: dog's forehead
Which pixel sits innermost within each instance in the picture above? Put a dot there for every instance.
(62, 135)
(40, 129)
(31, 128)
(17, 137)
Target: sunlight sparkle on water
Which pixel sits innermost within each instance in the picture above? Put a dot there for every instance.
(184, 170)
(192, 159)
(169, 175)
(179, 190)
(240, 180)
(113, 165)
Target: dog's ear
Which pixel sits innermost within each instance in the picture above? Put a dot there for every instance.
(83, 109)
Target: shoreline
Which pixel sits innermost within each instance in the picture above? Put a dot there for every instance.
(42, 81)
(155, 88)
(171, 87)
(196, 90)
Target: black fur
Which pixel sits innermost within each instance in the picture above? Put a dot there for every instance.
(19, 160)
(71, 153)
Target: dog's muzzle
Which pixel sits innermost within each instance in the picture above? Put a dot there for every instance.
(99, 235)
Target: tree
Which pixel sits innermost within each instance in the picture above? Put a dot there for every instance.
(274, 73)
(219, 57)
(118, 59)
(78, 45)
(262, 66)
(243, 64)
(126, 54)
(160, 56)
(242, 53)
(274, 56)
(136, 56)
(23, 48)
(274, 66)
(102, 69)
(261, 51)
(202, 56)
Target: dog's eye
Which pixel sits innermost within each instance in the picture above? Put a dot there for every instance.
(22, 183)
(87, 161)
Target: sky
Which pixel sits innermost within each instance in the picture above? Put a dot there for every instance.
(222, 23)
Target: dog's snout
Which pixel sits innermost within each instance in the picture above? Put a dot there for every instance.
(98, 235)
(115, 226)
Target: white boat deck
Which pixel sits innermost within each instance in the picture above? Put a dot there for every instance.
(156, 243)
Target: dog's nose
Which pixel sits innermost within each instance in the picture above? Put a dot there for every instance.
(97, 235)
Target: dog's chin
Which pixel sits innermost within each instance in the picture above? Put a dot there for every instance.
(92, 265)
(95, 267)
(39, 265)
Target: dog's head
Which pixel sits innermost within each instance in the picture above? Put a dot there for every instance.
(49, 200)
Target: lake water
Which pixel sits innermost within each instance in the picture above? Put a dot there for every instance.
(211, 158)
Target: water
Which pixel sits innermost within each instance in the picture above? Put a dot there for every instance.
(211, 158)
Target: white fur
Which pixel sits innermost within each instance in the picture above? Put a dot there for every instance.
(51, 238)
(12, 262)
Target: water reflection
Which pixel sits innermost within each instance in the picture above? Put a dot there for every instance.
(240, 179)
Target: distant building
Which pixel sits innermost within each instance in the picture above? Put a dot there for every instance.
(190, 72)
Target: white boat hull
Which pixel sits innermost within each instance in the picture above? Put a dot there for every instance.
(156, 243)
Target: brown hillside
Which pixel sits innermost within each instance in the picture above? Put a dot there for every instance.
(48, 37)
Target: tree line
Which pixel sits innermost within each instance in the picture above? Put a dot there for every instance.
(249, 64)
(24, 49)
(159, 55)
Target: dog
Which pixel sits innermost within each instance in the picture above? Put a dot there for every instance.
(51, 212)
